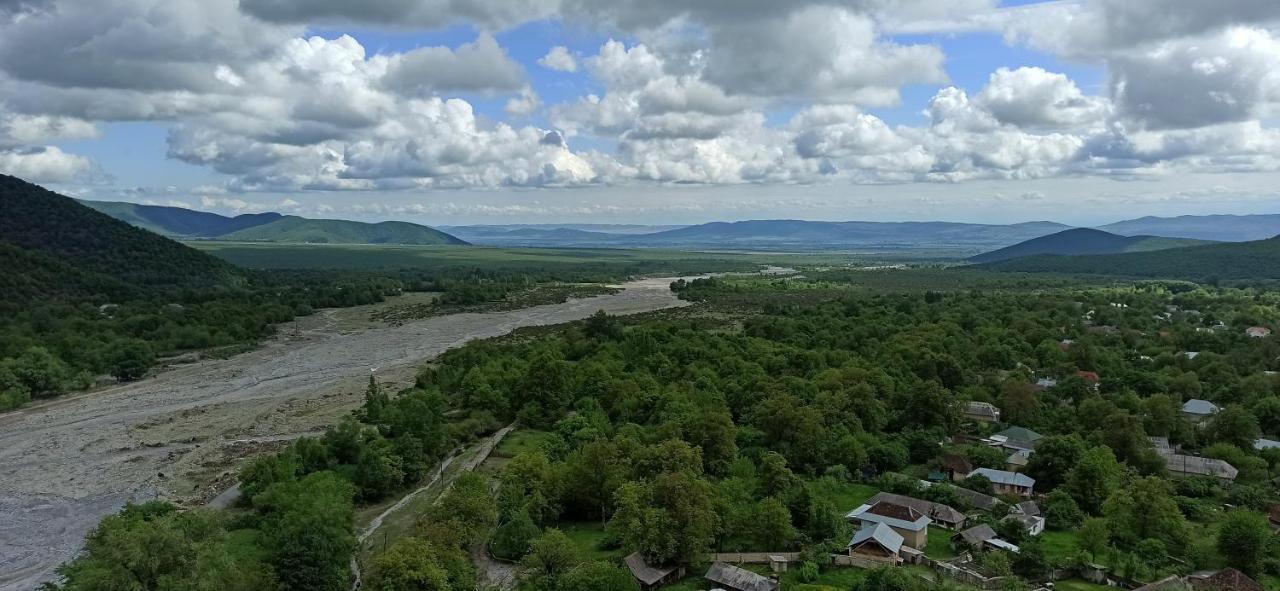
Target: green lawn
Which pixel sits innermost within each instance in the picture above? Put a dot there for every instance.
(587, 537)
(520, 441)
(939, 547)
(1079, 585)
(1059, 544)
(845, 495)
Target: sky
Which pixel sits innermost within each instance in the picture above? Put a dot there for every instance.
(454, 112)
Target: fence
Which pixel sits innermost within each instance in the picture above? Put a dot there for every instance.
(753, 557)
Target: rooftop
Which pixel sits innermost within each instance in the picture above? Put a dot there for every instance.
(739, 578)
(976, 534)
(882, 534)
(1197, 406)
(1185, 464)
(1021, 433)
(1005, 477)
(936, 511)
(644, 573)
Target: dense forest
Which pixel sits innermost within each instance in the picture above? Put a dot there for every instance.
(757, 423)
(1235, 263)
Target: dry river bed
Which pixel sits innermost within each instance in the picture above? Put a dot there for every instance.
(66, 464)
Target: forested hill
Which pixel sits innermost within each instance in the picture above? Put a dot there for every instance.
(1225, 228)
(888, 235)
(1082, 241)
(268, 227)
(296, 229)
(178, 221)
(51, 247)
(1236, 261)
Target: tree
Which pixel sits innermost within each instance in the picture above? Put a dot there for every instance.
(413, 564)
(511, 540)
(550, 556)
(1095, 476)
(1055, 456)
(1234, 425)
(306, 528)
(669, 519)
(1242, 540)
(598, 576)
(1061, 511)
(888, 579)
(463, 516)
(131, 358)
(1145, 508)
(1094, 536)
(1018, 402)
(772, 524)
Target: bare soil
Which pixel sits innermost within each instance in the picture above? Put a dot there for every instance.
(66, 464)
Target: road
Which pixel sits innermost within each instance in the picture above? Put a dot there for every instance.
(70, 462)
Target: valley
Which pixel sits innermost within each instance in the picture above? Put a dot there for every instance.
(71, 461)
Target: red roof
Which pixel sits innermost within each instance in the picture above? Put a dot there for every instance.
(1227, 579)
(1089, 376)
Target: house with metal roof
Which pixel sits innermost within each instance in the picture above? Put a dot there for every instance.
(973, 537)
(1006, 482)
(984, 412)
(943, 515)
(1199, 410)
(879, 543)
(910, 523)
(1261, 444)
(1185, 465)
(730, 577)
(650, 577)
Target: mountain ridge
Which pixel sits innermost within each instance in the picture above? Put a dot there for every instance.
(1082, 241)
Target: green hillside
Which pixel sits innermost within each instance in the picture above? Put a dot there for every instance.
(177, 221)
(296, 229)
(55, 248)
(1082, 241)
(1234, 261)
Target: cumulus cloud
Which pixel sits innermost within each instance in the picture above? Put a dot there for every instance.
(44, 164)
(478, 66)
(559, 59)
(1033, 97)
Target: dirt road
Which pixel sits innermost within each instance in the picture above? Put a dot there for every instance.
(66, 464)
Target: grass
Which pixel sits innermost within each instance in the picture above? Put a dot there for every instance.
(939, 546)
(1079, 585)
(587, 537)
(846, 496)
(521, 441)
(1059, 544)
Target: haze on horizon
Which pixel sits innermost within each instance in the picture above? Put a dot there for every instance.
(1081, 112)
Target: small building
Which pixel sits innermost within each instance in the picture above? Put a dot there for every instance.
(1092, 379)
(1018, 434)
(1190, 355)
(879, 543)
(1043, 384)
(1262, 443)
(732, 578)
(1185, 465)
(977, 500)
(1257, 332)
(955, 466)
(1032, 524)
(1162, 445)
(1103, 329)
(1199, 410)
(1227, 579)
(973, 537)
(911, 524)
(943, 515)
(982, 412)
(1169, 583)
(1027, 508)
(1018, 460)
(649, 577)
(999, 544)
(1005, 482)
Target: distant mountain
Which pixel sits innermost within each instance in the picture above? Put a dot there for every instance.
(296, 229)
(1082, 241)
(268, 227)
(553, 234)
(1236, 261)
(1221, 228)
(53, 247)
(178, 221)
(799, 234)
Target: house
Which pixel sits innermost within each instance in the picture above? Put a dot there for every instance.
(983, 412)
(973, 537)
(1019, 434)
(1090, 378)
(1169, 583)
(1227, 579)
(1018, 460)
(1185, 465)
(1162, 445)
(1261, 444)
(999, 544)
(1199, 410)
(1043, 384)
(976, 499)
(1065, 344)
(1258, 332)
(955, 466)
(911, 524)
(1189, 355)
(1032, 524)
(1005, 482)
(649, 577)
(943, 515)
(732, 578)
(879, 543)
(1027, 508)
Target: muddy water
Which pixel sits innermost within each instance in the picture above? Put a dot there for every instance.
(66, 464)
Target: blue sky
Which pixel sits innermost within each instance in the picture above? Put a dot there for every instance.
(673, 112)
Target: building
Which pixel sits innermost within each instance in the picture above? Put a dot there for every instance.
(1018, 434)
(732, 578)
(1185, 465)
(1198, 410)
(1092, 379)
(1043, 384)
(943, 515)
(911, 524)
(1227, 579)
(1018, 460)
(649, 577)
(1032, 524)
(1257, 332)
(1005, 482)
(955, 467)
(982, 412)
(976, 499)
(973, 537)
(1261, 444)
(879, 543)
(1169, 583)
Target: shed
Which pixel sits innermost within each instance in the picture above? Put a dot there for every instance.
(878, 543)
(944, 515)
(650, 577)
(1227, 579)
(739, 579)
(974, 536)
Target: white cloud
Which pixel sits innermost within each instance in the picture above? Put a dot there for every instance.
(559, 59)
(44, 164)
(1033, 97)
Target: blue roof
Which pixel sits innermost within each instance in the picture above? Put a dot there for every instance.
(882, 534)
(1005, 477)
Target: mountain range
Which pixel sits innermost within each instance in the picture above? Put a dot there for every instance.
(183, 223)
(1220, 228)
(1241, 261)
(1083, 241)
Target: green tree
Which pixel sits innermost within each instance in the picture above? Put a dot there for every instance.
(463, 516)
(1145, 508)
(130, 359)
(511, 540)
(1234, 425)
(1094, 477)
(597, 576)
(772, 524)
(413, 564)
(551, 556)
(1094, 536)
(670, 519)
(1055, 456)
(306, 529)
(1061, 511)
(1242, 540)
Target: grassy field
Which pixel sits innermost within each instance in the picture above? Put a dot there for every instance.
(382, 257)
(845, 495)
